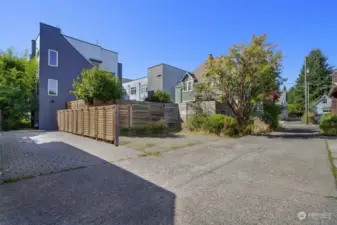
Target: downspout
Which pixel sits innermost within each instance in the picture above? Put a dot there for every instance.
(139, 91)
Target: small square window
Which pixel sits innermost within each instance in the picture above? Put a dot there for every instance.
(133, 90)
(324, 101)
(52, 87)
(53, 58)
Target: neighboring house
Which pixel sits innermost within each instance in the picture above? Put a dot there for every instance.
(135, 89)
(61, 59)
(282, 102)
(184, 88)
(323, 105)
(164, 77)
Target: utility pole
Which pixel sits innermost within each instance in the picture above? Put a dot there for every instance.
(308, 97)
(305, 90)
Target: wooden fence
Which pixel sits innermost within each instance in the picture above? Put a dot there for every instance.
(104, 122)
(97, 122)
(136, 113)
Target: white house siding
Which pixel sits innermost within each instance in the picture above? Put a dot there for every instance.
(140, 84)
(319, 108)
(109, 59)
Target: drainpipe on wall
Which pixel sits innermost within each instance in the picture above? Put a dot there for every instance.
(139, 91)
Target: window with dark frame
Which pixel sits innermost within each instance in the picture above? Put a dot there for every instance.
(133, 91)
(52, 58)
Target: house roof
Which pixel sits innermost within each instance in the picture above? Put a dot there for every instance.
(199, 71)
(189, 74)
(320, 99)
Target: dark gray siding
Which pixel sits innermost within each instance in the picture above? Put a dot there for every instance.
(120, 72)
(172, 76)
(70, 65)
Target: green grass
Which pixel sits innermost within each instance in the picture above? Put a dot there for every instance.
(331, 159)
(124, 142)
(175, 147)
(145, 154)
(6, 181)
(142, 147)
(331, 197)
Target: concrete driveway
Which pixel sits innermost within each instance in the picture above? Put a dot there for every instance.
(252, 180)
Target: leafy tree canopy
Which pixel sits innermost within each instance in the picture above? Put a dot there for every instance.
(95, 83)
(245, 76)
(159, 96)
(17, 87)
(318, 77)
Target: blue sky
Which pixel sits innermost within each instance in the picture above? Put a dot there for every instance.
(178, 32)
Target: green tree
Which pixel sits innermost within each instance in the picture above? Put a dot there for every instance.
(291, 95)
(319, 77)
(244, 77)
(95, 83)
(17, 88)
(160, 96)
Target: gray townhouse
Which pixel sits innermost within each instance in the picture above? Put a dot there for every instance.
(164, 77)
(161, 77)
(61, 59)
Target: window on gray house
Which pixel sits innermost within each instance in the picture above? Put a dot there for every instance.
(133, 91)
(326, 110)
(96, 64)
(324, 101)
(143, 89)
(52, 87)
(53, 58)
(188, 85)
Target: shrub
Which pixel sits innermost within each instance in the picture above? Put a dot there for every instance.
(16, 124)
(195, 122)
(95, 83)
(230, 126)
(271, 114)
(159, 96)
(154, 128)
(311, 118)
(328, 124)
(260, 127)
(213, 123)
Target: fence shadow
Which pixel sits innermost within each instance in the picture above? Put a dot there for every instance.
(67, 193)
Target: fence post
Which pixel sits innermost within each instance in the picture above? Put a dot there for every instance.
(149, 112)
(89, 118)
(186, 112)
(116, 127)
(96, 122)
(104, 123)
(131, 116)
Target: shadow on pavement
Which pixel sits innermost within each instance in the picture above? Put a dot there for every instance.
(100, 193)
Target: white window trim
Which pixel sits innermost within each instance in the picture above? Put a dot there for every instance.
(57, 58)
(187, 90)
(57, 87)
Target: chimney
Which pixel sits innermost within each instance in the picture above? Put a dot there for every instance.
(33, 49)
(210, 56)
